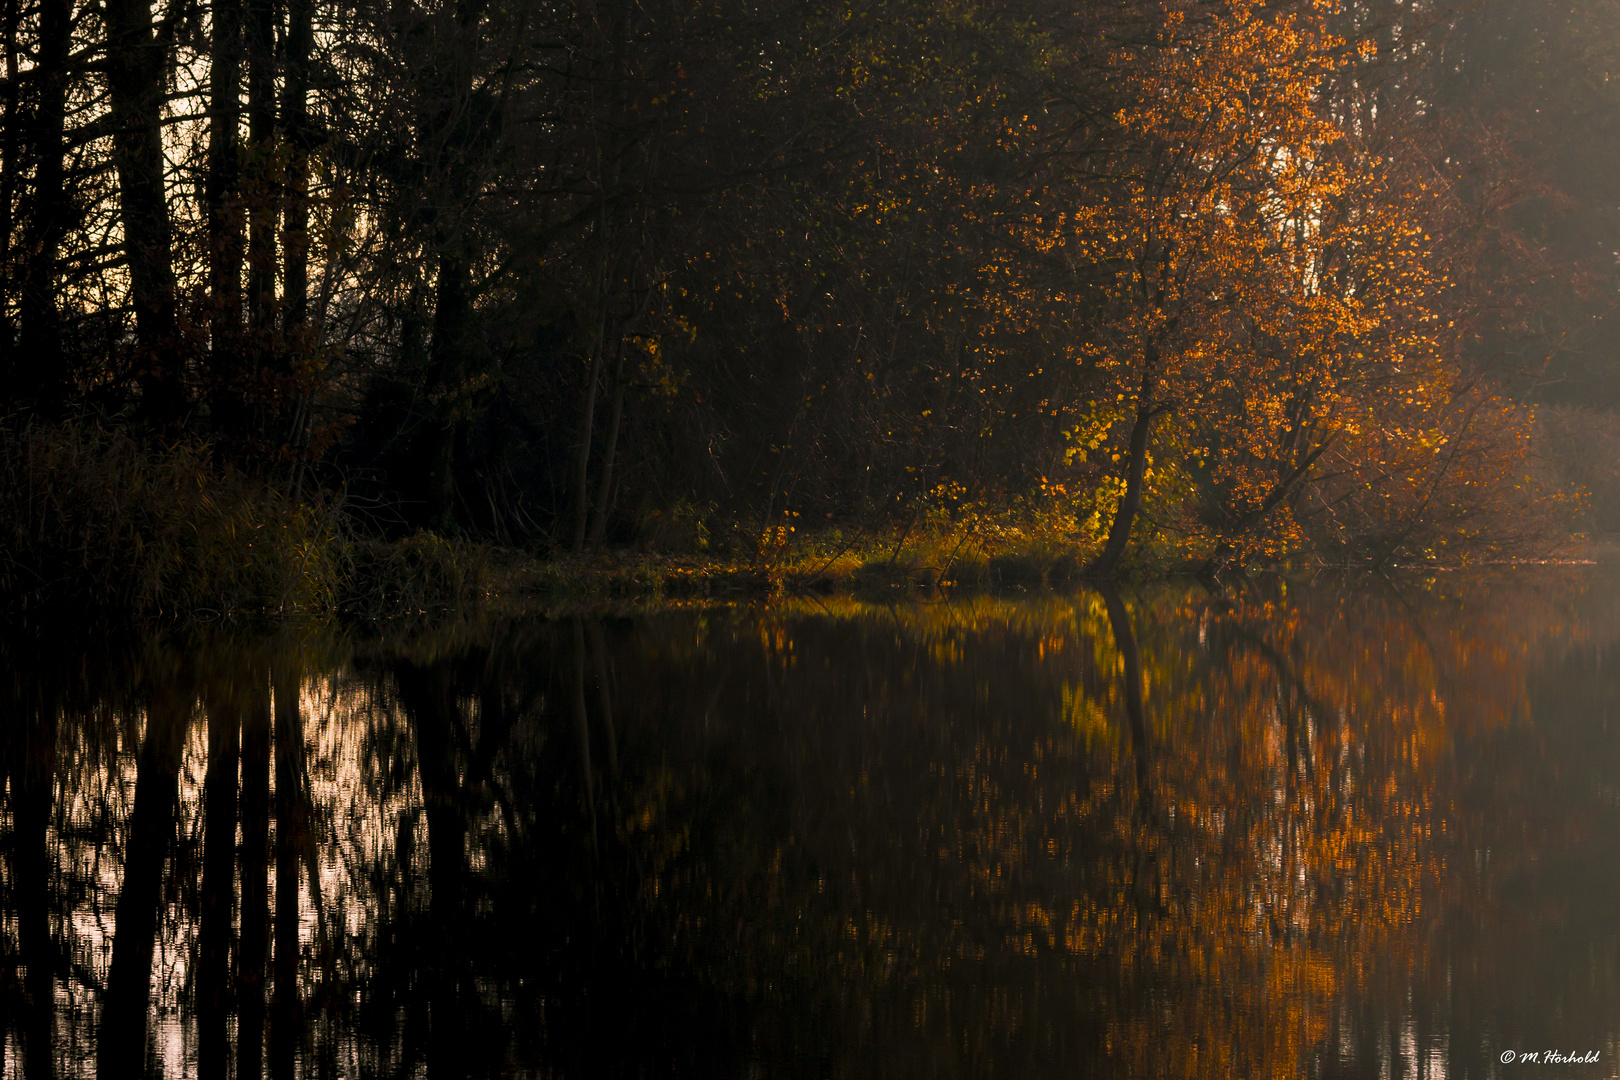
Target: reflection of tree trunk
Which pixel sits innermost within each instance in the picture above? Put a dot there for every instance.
(33, 772)
(581, 716)
(292, 828)
(428, 697)
(151, 831)
(605, 696)
(1125, 640)
(255, 938)
(218, 879)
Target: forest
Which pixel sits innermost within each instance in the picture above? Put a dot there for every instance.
(1141, 284)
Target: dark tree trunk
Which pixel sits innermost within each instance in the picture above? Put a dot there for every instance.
(1119, 532)
(295, 221)
(455, 359)
(225, 217)
(255, 934)
(447, 372)
(582, 462)
(122, 1038)
(300, 345)
(218, 882)
(135, 78)
(46, 380)
(10, 177)
(262, 180)
(604, 483)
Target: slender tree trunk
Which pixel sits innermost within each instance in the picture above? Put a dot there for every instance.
(300, 346)
(228, 384)
(295, 283)
(292, 831)
(10, 177)
(123, 1032)
(255, 935)
(262, 179)
(135, 78)
(1119, 533)
(448, 373)
(604, 484)
(452, 353)
(295, 222)
(218, 882)
(47, 380)
(582, 467)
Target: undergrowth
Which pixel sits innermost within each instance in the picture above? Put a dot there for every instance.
(94, 520)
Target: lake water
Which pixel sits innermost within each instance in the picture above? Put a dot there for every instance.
(1331, 828)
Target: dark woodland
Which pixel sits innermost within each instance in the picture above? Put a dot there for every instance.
(1161, 282)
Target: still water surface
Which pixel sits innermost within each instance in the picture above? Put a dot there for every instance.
(1331, 828)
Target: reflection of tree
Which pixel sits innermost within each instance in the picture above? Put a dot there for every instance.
(151, 832)
(254, 942)
(31, 732)
(226, 702)
(1158, 834)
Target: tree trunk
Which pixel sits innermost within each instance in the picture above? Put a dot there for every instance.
(582, 465)
(262, 178)
(227, 382)
(447, 374)
(11, 154)
(46, 380)
(300, 345)
(295, 223)
(452, 360)
(135, 79)
(1119, 533)
(604, 484)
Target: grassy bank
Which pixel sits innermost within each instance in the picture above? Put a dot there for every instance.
(93, 521)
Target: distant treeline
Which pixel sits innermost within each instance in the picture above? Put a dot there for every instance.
(566, 274)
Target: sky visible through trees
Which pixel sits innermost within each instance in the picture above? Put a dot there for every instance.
(1224, 279)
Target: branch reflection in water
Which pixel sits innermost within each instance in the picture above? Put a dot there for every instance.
(1139, 834)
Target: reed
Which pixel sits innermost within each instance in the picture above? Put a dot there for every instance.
(90, 518)
(93, 520)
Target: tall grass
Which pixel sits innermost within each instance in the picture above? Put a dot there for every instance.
(92, 519)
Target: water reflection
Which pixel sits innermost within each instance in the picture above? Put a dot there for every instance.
(1294, 829)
